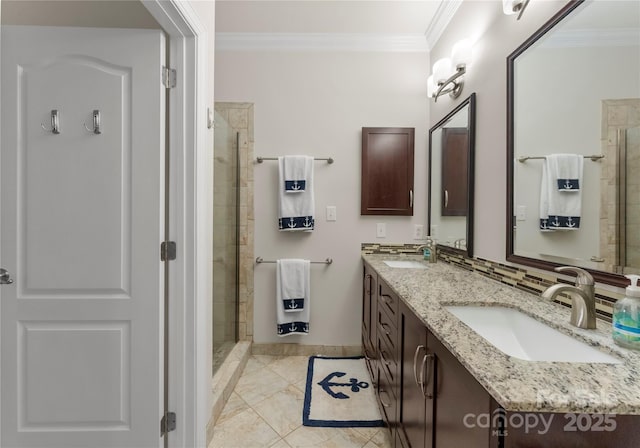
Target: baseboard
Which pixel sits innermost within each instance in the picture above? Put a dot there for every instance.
(305, 350)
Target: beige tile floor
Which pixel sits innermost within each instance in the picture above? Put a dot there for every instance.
(265, 410)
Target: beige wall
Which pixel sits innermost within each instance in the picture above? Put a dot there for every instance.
(316, 103)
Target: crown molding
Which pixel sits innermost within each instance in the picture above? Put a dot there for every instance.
(620, 37)
(445, 12)
(320, 42)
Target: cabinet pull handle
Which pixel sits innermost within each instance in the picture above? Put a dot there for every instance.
(426, 366)
(384, 357)
(386, 299)
(386, 405)
(415, 366)
(367, 277)
(384, 327)
(446, 198)
(410, 198)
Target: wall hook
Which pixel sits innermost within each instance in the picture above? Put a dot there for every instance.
(55, 122)
(96, 123)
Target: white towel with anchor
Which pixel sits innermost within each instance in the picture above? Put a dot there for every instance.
(293, 293)
(296, 211)
(560, 209)
(296, 170)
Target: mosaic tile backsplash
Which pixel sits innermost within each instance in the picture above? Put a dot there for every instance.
(518, 277)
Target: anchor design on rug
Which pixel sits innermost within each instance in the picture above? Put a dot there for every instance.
(355, 385)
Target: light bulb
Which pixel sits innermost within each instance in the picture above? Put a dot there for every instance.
(431, 86)
(442, 70)
(461, 53)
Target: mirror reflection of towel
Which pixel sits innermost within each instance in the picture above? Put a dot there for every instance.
(560, 209)
(566, 169)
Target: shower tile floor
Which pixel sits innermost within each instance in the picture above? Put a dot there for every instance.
(265, 410)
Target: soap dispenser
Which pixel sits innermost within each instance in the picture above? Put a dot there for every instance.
(626, 316)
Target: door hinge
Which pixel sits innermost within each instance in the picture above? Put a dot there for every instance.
(167, 250)
(168, 422)
(169, 77)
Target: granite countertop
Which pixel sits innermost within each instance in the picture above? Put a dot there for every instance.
(516, 384)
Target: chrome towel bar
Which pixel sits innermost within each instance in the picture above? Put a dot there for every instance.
(262, 159)
(261, 260)
(594, 158)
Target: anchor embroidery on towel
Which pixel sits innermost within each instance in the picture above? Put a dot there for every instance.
(292, 223)
(307, 223)
(570, 222)
(295, 186)
(555, 223)
(544, 224)
(353, 383)
(292, 304)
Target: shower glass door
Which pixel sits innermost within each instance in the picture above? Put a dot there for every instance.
(630, 247)
(225, 240)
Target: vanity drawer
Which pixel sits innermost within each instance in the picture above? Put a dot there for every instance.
(388, 301)
(387, 399)
(387, 330)
(388, 362)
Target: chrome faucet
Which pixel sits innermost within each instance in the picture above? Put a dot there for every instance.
(583, 301)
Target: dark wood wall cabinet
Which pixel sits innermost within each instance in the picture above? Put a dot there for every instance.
(428, 399)
(387, 171)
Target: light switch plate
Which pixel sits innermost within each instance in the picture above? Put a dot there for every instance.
(418, 232)
(381, 230)
(521, 213)
(331, 212)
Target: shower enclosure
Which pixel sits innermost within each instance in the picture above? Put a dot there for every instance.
(233, 254)
(225, 240)
(629, 200)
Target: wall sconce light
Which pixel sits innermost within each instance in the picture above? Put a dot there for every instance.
(442, 80)
(510, 7)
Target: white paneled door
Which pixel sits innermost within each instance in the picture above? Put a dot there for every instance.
(82, 212)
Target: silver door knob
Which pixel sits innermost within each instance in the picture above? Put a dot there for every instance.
(5, 277)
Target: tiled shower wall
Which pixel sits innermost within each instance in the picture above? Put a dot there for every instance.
(530, 280)
(239, 116)
(616, 115)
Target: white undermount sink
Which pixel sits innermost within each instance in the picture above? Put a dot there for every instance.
(405, 264)
(521, 336)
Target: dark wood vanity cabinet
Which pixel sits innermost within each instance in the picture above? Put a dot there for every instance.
(428, 399)
(440, 400)
(369, 319)
(388, 349)
(423, 392)
(416, 409)
(387, 171)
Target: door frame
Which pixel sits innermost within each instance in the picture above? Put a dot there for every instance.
(190, 277)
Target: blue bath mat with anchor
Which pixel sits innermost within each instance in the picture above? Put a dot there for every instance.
(339, 393)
